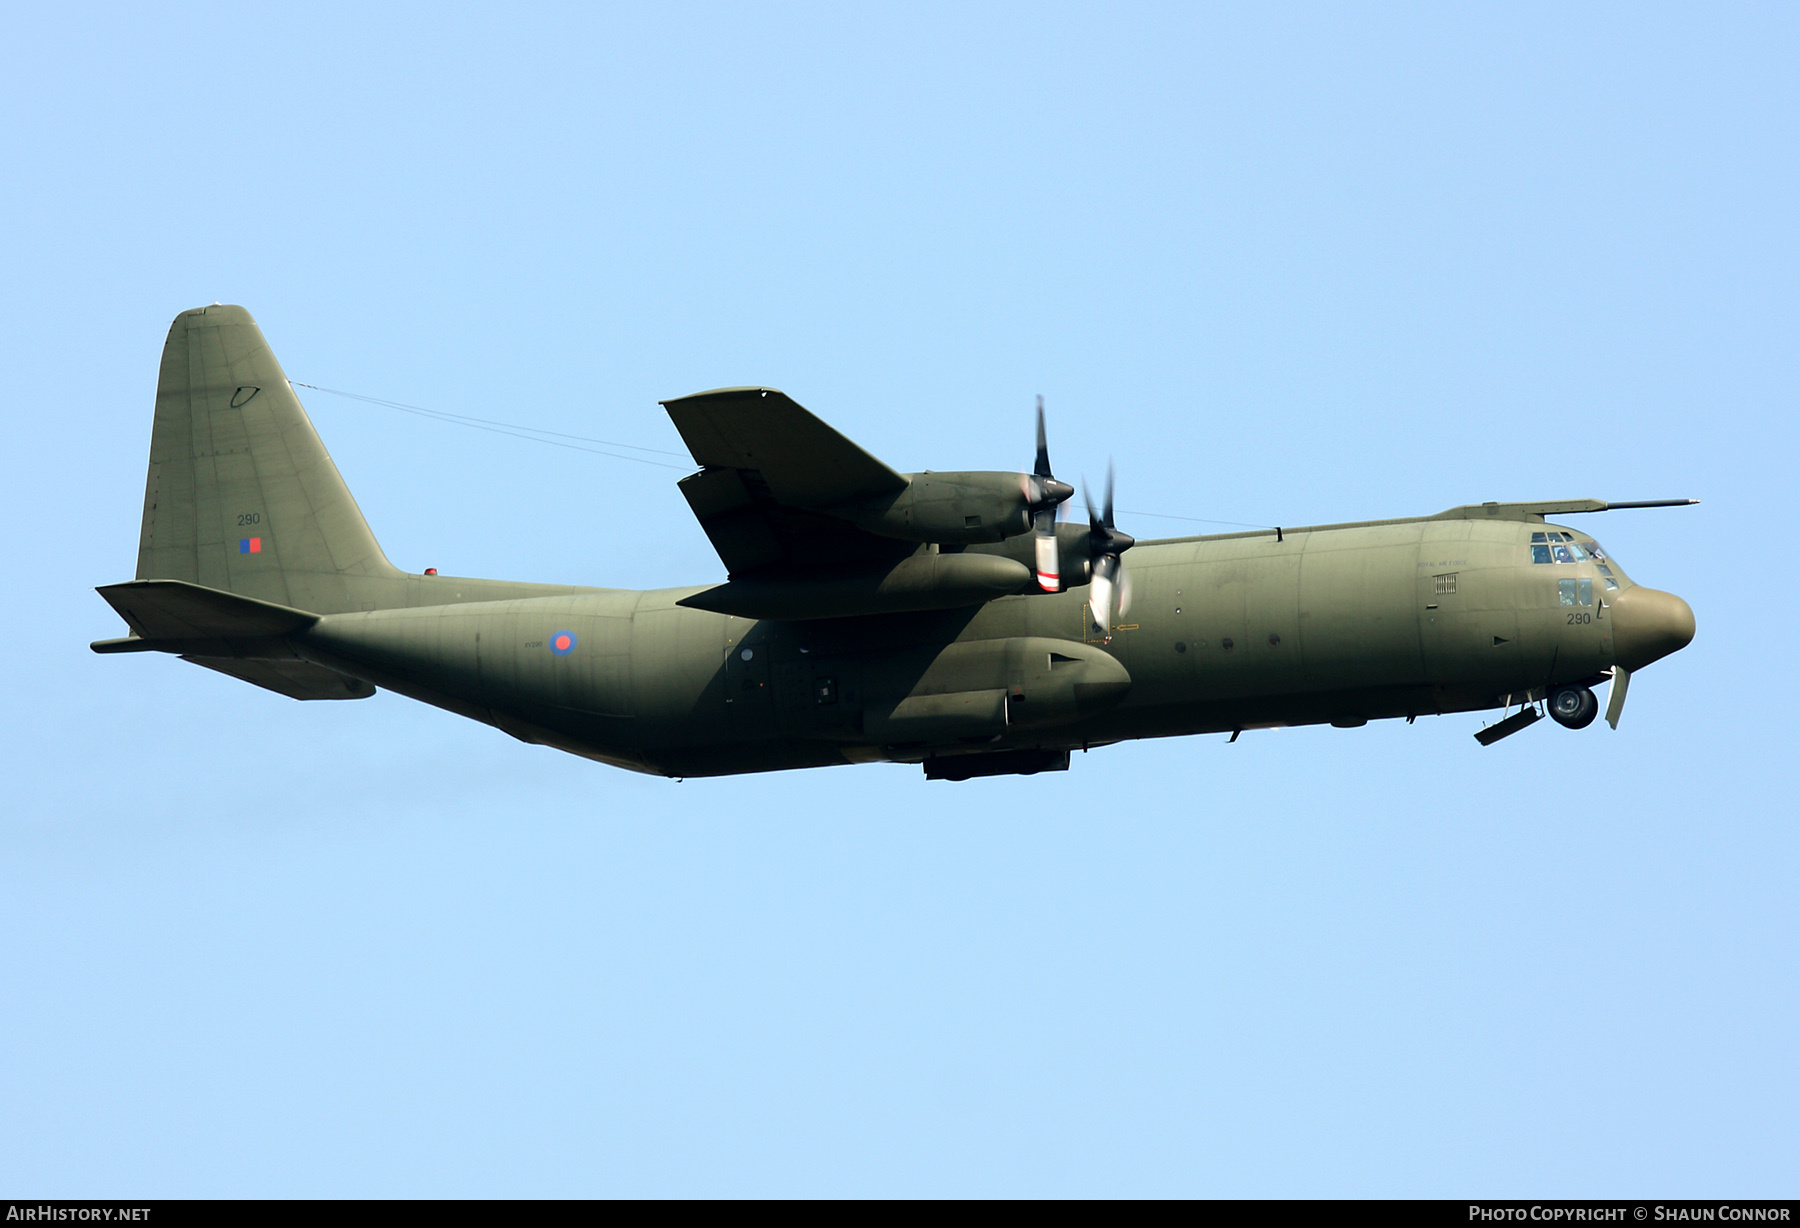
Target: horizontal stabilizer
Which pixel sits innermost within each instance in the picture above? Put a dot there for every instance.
(237, 636)
(295, 679)
(177, 610)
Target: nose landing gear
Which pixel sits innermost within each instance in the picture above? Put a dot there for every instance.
(1573, 707)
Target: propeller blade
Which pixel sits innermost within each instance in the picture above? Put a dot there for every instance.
(1100, 594)
(1040, 487)
(1124, 592)
(1105, 544)
(1615, 702)
(1044, 495)
(1049, 569)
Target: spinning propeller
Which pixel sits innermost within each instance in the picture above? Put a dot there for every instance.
(1105, 545)
(1045, 496)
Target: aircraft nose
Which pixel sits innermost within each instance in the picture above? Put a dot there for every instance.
(1648, 625)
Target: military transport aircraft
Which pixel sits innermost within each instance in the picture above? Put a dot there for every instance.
(944, 619)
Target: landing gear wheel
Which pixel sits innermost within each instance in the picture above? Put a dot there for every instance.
(1574, 707)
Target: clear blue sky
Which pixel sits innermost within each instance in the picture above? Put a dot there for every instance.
(1305, 265)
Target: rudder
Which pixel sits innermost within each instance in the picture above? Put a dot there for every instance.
(241, 494)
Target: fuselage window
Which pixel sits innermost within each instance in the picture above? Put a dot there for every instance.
(1587, 591)
(1565, 591)
(1610, 582)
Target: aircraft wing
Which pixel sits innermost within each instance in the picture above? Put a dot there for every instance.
(767, 468)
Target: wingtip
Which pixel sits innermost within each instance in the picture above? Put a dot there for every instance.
(760, 389)
(124, 643)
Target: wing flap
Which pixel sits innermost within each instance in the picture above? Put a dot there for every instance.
(734, 524)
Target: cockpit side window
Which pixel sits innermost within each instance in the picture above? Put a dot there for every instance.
(1575, 592)
(1540, 554)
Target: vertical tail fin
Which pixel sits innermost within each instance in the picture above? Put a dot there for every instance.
(242, 495)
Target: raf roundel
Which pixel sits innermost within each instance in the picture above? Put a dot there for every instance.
(562, 643)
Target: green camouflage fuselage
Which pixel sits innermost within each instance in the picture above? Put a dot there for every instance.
(1337, 625)
(869, 615)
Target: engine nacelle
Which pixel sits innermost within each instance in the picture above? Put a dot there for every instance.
(948, 508)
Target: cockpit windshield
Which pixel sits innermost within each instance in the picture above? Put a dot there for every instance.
(1554, 546)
